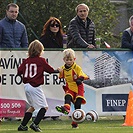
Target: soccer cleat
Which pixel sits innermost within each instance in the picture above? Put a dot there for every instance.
(35, 127)
(22, 128)
(74, 125)
(62, 109)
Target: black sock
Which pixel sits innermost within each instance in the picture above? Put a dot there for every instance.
(68, 99)
(78, 103)
(26, 118)
(40, 115)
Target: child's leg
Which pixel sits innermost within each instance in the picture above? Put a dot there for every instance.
(66, 108)
(68, 100)
(40, 115)
(26, 119)
(77, 105)
(27, 116)
(35, 124)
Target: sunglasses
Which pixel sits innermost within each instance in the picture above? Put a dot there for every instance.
(54, 25)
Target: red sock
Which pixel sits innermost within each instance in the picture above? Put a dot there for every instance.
(74, 124)
(67, 106)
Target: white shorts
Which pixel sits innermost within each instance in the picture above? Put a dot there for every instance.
(35, 96)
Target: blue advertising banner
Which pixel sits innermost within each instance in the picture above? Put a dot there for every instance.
(114, 102)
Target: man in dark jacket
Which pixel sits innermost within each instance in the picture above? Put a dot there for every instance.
(13, 33)
(81, 30)
(127, 37)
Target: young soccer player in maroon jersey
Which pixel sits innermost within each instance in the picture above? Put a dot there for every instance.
(74, 89)
(32, 70)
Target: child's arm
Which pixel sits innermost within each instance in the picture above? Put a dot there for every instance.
(58, 70)
(79, 80)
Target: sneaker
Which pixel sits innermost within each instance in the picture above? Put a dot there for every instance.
(74, 125)
(22, 128)
(62, 109)
(35, 127)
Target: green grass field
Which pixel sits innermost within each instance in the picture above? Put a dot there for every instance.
(112, 124)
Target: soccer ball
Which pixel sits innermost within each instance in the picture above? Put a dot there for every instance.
(92, 115)
(78, 115)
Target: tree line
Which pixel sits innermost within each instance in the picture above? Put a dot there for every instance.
(34, 14)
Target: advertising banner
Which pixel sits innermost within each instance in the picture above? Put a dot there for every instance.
(111, 77)
(12, 108)
(106, 91)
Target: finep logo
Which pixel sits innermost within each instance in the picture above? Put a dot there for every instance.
(114, 102)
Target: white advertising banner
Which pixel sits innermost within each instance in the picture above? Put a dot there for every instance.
(110, 72)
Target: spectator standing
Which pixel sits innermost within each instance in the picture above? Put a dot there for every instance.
(13, 33)
(52, 34)
(81, 30)
(127, 37)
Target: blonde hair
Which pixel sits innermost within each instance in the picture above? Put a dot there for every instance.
(35, 48)
(68, 53)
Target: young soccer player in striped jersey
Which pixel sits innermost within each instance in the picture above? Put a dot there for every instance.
(74, 89)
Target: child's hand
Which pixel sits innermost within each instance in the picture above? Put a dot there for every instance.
(59, 69)
(79, 80)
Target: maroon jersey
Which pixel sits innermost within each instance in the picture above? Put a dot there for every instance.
(33, 69)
